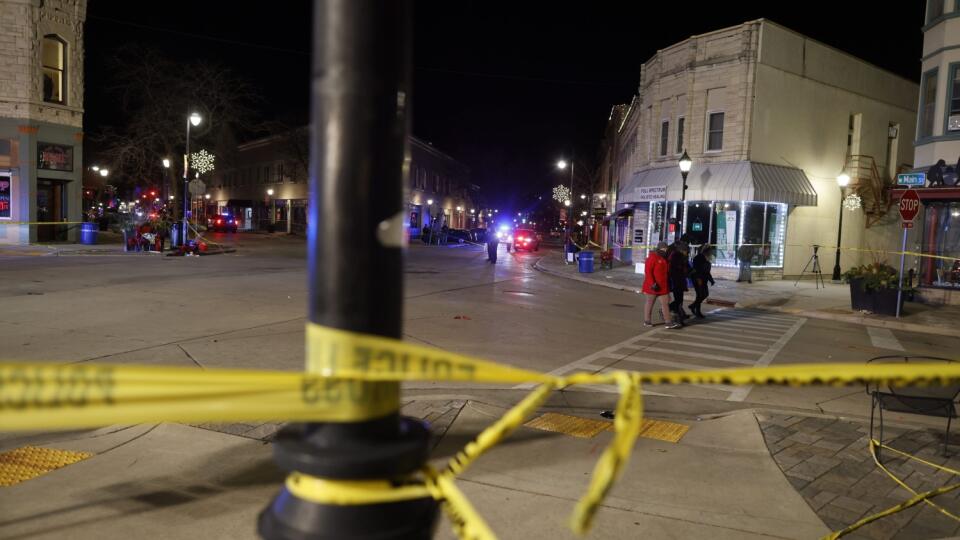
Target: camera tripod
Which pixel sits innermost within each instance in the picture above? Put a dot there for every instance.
(817, 273)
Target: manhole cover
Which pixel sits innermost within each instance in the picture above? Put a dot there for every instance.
(623, 305)
(518, 293)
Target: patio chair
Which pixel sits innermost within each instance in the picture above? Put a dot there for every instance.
(936, 401)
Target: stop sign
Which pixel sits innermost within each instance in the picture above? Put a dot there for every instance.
(909, 205)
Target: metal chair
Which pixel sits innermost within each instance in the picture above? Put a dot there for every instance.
(937, 401)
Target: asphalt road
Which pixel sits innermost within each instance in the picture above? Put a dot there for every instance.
(246, 310)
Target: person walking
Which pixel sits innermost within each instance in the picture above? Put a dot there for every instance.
(702, 264)
(492, 244)
(678, 259)
(656, 286)
(745, 255)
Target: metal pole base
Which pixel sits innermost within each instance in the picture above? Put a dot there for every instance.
(290, 518)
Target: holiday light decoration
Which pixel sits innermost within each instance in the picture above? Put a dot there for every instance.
(202, 161)
(561, 193)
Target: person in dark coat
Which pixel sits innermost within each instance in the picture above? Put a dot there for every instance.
(679, 261)
(702, 264)
(492, 244)
(935, 173)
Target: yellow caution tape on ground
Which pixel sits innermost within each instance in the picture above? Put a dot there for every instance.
(340, 386)
(917, 498)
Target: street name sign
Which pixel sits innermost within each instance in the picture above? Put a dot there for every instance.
(912, 179)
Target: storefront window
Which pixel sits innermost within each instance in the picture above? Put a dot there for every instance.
(698, 222)
(725, 232)
(941, 236)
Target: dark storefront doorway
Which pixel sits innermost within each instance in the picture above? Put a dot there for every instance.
(51, 206)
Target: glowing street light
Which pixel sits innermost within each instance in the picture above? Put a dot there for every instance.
(270, 192)
(566, 202)
(104, 172)
(562, 164)
(195, 119)
(95, 168)
(429, 201)
(166, 163)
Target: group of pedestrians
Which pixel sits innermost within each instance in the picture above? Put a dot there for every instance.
(666, 273)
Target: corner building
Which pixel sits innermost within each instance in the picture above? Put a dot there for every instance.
(41, 119)
(770, 118)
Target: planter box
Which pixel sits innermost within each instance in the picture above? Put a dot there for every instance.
(880, 302)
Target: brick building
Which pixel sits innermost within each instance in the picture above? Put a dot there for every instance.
(770, 119)
(268, 185)
(41, 118)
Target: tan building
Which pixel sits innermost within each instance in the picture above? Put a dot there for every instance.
(770, 119)
(41, 118)
(936, 228)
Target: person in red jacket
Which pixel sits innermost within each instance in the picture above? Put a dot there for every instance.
(656, 286)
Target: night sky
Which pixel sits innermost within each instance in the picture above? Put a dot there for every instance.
(505, 87)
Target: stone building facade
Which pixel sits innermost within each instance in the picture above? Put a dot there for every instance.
(41, 118)
(770, 119)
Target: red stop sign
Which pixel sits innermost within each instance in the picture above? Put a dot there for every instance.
(909, 205)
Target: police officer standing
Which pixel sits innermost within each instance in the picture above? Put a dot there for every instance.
(492, 244)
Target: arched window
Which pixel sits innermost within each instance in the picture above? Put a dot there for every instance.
(53, 58)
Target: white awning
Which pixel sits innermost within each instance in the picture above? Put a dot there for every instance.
(732, 181)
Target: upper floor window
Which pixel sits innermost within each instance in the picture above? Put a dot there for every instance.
(664, 136)
(715, 132)
(680, 122)
(53, 58)
(934, 10)
(928, 104)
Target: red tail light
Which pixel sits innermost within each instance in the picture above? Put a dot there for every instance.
(219, 221)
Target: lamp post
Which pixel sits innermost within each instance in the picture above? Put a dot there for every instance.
(273, 207)
(166, 177)
(562, 164)
(193, 119)
(843, 180)
(685, 164)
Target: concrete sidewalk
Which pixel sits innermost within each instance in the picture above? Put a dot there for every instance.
(803, 299)
(177, 481)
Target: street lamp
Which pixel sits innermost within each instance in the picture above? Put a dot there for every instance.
(193, 119)
(95, 168)
(104, 172)
(166, 163)
(843, 181)
(583, 196)
(685, 164)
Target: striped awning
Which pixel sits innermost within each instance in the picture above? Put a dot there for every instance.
(729, 181)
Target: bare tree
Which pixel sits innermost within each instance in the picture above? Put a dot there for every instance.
(156, 95)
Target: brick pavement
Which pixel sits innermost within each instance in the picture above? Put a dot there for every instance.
(828, 461)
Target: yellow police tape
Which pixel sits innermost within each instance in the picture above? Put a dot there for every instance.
(338, 387)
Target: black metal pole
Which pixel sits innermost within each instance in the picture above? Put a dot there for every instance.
(359, 117)
(836, 265)
(185, 199)
(683, 203)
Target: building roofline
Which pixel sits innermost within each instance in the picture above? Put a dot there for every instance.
(763, 21)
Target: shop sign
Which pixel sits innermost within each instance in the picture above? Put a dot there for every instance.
(54, 157)
(6, 199)
(650, 194)
(697, 226)
(912, 179)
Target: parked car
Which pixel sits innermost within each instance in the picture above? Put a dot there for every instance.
(222, 222)
(457, 236)
(527, 239)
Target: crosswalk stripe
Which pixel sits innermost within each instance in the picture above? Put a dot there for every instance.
(745, 328)
(755, 314)
(694, 344)
(703, 356)
(698, 331)
(760, 347)
(750, 320)
(883, 338)
(741, 392)
(742, 323)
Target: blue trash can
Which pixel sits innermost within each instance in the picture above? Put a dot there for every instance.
(586, 262)
(88, 233)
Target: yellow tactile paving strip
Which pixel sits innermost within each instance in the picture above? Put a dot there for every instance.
(575, 426)
(22, 464)
(586, 428)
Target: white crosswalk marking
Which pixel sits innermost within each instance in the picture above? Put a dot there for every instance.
(732, 337)
(883, 338)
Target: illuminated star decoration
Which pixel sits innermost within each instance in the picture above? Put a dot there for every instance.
(561, 193)
(852, 202)
(202, 161)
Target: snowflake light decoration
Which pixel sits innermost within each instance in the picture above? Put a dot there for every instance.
(202, 161)
(852, 202)
(561, 193)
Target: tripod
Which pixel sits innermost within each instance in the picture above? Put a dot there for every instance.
(817, 274)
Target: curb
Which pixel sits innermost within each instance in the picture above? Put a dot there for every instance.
(863, 320)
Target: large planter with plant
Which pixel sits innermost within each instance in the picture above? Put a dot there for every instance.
(873, 288)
